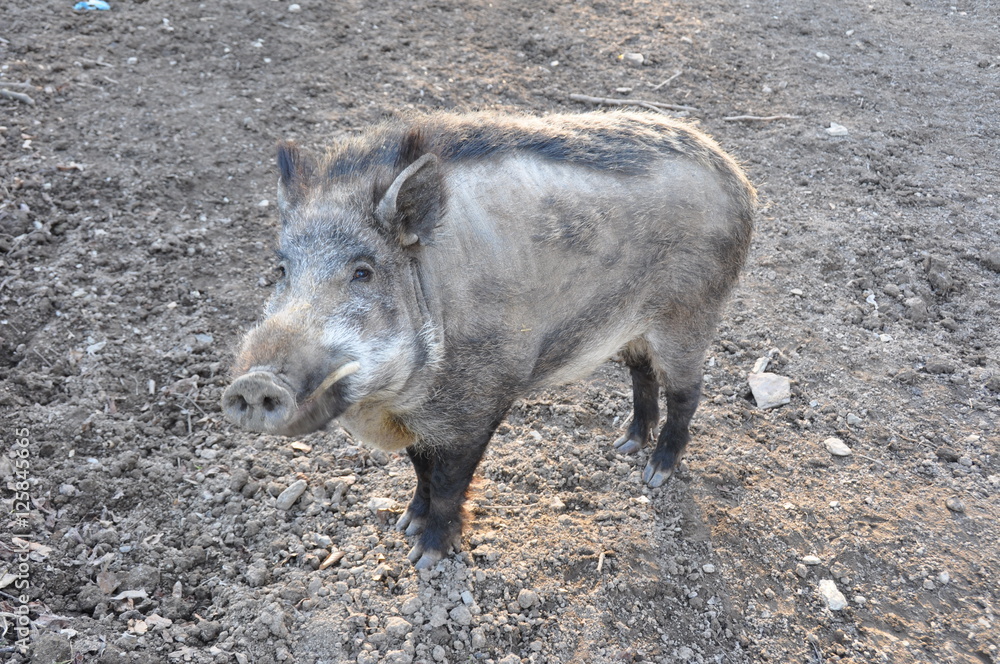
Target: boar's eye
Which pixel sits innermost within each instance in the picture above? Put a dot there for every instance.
(361, 274)
(280, 271)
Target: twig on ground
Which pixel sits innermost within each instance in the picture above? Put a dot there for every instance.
(600, 562)
(17, 96)
(20, 86)
(666, 82)
(652, 105)
(759, 118)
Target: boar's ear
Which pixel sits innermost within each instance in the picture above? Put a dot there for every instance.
(294, 170)
(411, 205)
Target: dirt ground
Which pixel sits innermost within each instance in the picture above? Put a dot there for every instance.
(136, 218)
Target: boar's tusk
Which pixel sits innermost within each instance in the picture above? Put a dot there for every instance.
(343, 371)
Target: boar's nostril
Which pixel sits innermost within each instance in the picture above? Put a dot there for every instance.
(258, 401)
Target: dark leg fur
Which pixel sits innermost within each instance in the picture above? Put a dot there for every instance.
(443, 477)
(645, 405)
(674, 437)
(413, 519)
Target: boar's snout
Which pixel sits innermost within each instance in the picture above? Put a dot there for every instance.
(259, 402)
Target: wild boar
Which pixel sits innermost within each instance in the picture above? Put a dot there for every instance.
(437, 268)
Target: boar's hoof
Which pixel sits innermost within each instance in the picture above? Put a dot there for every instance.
(258, 401)
(655, 477)
(410, 524)
(424, 559)
(626, 445)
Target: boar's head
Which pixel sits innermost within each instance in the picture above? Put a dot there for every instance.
(347, 325)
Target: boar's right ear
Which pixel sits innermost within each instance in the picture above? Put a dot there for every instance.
(294, 172)
(412, 204)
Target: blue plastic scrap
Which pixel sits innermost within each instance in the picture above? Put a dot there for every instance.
(91, 5)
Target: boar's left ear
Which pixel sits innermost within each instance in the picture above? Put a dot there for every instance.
(294, 170)
(413, 202)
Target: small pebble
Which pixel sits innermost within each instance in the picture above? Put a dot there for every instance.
(860, 600)
(294, 8)
(944, 578)
(379, 503)
(811, 560)
(527, 598)
(708, 568)
(822, 57)
(955, 505)
(835, 599)
(837, 130)
(837, 447)
(633, 59)
(801, 571)
(439, 616)
(461, 615)
(853, 419)
(928, 584)
(769, 390)
(397, 627)
(288, 497)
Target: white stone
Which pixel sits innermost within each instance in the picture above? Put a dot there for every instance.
(379, 503)
(397, 627)
(811, 560)
(837, 130)
(837, 447)
(708, 568)
(634, 59)
(410, 606)
(769, 390)
(835, 599)
(294, 8)
(527, 598)
(288, 497)
(461, 615)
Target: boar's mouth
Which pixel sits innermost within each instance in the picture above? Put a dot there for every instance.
(261, 400)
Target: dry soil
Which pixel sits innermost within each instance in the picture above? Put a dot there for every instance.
(136, 217)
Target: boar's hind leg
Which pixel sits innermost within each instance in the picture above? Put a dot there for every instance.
(645, 406)
(678, 357)
(443, 477)
(674, 436)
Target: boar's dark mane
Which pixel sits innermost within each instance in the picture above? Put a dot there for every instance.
(628, 143)
(614, 141)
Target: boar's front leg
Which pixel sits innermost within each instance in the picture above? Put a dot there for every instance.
(443, 477)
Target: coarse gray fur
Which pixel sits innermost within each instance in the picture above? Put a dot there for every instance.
(498, 254)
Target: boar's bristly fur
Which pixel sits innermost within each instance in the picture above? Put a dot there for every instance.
(439, 267)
